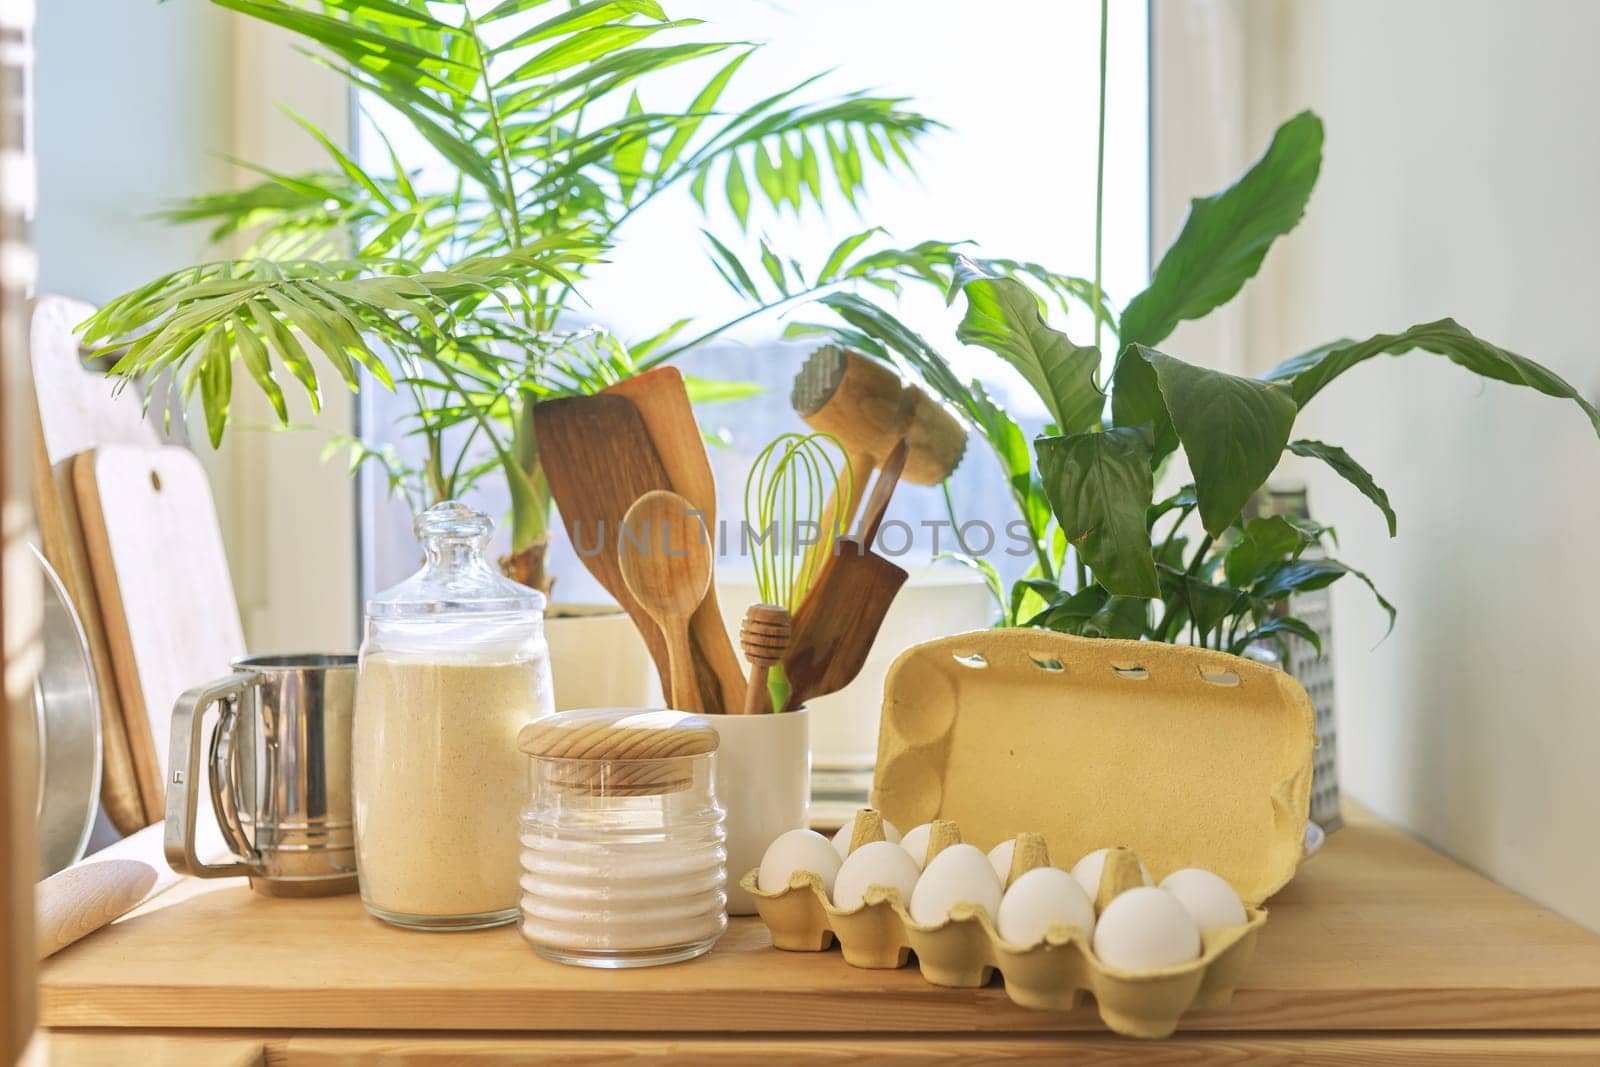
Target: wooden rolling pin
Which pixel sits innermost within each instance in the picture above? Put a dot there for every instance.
(74, 903)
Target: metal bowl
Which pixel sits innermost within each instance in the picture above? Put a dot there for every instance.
(66, 707)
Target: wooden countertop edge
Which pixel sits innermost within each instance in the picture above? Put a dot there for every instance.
(755, 1011)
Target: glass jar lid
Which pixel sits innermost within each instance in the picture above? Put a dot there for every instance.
(619, 752)
(619, 734)
(455, 578)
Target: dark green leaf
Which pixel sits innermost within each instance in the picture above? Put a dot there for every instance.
(1100, 486)
(1206, 604)
(1264, 542)
(1226, 236)
(1282, 624)
(1309, 372)
(1233, 430)
(1297, 576)
(1136, 400)
(1066, 612)
(1350, 471)
(1183, 498)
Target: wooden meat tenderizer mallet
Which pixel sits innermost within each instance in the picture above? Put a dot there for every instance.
(863, 404)
(764, 637)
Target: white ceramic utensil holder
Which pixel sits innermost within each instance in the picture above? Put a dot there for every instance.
(763, 770)
(598, 659)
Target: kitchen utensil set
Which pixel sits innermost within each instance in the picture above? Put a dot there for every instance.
(629, 473)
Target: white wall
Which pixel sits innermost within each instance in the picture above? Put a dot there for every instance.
(137, 104)
(133, 105)
(1459, 179)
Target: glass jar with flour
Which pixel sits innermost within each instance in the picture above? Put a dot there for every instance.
(454, 663)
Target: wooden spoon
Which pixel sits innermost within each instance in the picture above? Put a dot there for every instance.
(663, 404)
(665, 553)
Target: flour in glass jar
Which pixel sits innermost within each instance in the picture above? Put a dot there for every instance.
(439, 782)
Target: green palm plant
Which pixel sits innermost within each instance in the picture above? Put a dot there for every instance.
(461, 292)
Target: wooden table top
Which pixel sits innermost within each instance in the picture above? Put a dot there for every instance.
(1377, 932)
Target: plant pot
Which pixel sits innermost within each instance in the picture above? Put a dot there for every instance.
(935, 602)
(763, 773)
(598, 659)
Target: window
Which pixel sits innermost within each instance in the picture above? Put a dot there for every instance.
(1014, 173)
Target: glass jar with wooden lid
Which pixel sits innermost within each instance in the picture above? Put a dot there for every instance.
(623, 857)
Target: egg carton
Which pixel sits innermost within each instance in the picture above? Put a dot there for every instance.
(1189, 757)
(966, 950)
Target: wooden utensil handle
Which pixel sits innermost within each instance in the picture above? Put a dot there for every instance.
(888, 477)
(680, 656)
(763, 636)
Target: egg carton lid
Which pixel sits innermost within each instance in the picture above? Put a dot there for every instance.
(1188, 756)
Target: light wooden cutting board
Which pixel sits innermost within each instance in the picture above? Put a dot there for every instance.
(77, 410)
(155, 550)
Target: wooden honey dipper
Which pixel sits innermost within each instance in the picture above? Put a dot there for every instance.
(764, 637)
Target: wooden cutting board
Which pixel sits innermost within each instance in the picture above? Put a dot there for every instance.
(166, 598)
(76, 411)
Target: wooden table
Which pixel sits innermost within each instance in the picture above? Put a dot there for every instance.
(1380, 951)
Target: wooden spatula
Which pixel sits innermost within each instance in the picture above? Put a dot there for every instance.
(599, 459)
(665, 556)
(836, 623)
(664, 406)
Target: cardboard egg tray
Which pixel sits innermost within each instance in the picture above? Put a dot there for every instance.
(1183, 757)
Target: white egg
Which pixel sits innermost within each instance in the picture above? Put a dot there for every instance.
(1146, 929)
(797, 850)
(841, 836)
(1038, 898)
(1088, 870)
(874, 863)
(1208, 898)
(916, 843)
(1000, 858)
(960, 874)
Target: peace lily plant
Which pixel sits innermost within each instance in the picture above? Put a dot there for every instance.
(1193, 564)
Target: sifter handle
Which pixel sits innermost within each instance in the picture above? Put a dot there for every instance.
(184, 772)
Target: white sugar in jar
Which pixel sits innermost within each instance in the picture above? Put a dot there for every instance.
(622, 845)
